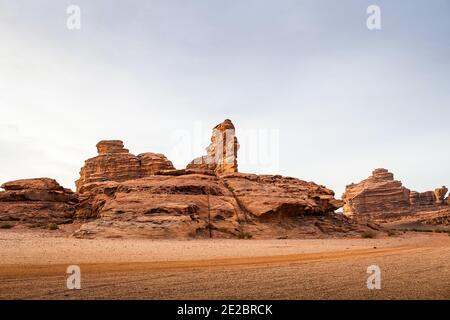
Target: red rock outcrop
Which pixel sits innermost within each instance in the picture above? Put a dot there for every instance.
(161, 206)
(380, 197)
(269, 196)
(418, 199)
(379, 194)
(115, 163)
(40, 200)
(439, 194)
(188, 204)
(145, 196)
(123, 195)
(222, 152)
(152, 163)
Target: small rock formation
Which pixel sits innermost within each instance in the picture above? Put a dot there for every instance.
(440, 194)
(379, 197)
(221, 153)
(41, 201)
(115, 163)
(152, 163)
(111, 146)
(379, 194)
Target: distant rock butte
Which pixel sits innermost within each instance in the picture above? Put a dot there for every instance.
(382, 197)
(36, 201)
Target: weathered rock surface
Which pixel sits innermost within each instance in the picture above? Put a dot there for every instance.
(40, 200)
(380, 197)
(221, 153)
(379, 194)
(161, 206)
(123, 195)
(440, 193)
(419, 199)
(114, 163)
(199, 205)
(268, 196)
(152, 163)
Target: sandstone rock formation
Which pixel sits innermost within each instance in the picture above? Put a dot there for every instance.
(439, 194)
(33, 201)
(114, 163)
(269, 197)
(419, 199)
(381, 197)
(160, 206)
(123, 195)
(377, 195)
(152, 163)
(222, 151)
(199, 205)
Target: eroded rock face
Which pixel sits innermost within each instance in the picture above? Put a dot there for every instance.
(111, 146)
(152, 163)
(418, 199)
(381, 197)
(439, 194)
(222, 151)
(181, 204)
(115, 163)
(269, 196)
(162, 206)
(40, 200)
(379, 194)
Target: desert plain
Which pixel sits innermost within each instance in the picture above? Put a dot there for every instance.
(33, 265)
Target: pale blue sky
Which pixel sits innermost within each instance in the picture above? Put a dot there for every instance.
(344, 100)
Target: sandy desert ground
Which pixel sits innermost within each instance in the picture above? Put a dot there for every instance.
(33, 266)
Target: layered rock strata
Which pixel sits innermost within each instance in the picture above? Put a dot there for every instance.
(378, 194)
(115, 163)
(36, 201)
(202, 205)
(382, 197)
